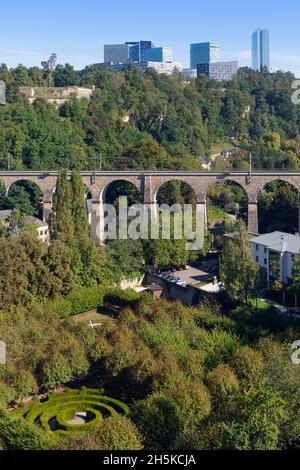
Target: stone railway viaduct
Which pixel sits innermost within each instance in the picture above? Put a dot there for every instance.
(148, 184)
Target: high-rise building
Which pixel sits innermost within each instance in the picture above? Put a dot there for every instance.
(204, 53)
(166, 68)
(138, 50)
(129, 52)
(189, 73)
(218, 70)
(261, 49)
(116, 53)
(158, 54)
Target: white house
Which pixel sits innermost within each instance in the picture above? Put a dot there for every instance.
(275, 252)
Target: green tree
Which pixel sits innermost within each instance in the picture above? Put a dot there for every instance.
(259, 415)
(239, 272)
(119, 433)
(157, 419)
(24, 384)
(65, 75)
(57, 371)
(62, 224)
(79, 210)
(18, 434)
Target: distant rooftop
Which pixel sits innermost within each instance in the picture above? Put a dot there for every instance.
(279, 241)
(4, 214)
(30, 219)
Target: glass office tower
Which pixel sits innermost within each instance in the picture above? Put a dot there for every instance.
(159, 54)
(261, 49)
(204, 53)
(116, 53)
(138, 50)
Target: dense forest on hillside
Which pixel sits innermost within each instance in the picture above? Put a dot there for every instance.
(149, 121)
(215, 376)
(218, 375)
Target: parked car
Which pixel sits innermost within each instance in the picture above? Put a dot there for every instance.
(170, 278)
(181, 283)
(176, 279)
(165, 275)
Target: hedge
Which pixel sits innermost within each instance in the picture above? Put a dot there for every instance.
(89, 298)
(122, 298)
(63, 418)
(63, 407)
(79, 301)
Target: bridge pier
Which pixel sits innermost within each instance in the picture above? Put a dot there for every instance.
(97, 221)
(202, 213)
(299, 214)
(47, 209)
(253, 218)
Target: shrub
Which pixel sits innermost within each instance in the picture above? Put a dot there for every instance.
(78, 301)
(61, 306)
(85, 299)
(248, 365)
(122, 298)
(222, 383)
(18, 434)
(24, 384)
(7, 394)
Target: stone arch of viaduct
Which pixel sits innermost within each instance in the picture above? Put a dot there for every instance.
(148, 184)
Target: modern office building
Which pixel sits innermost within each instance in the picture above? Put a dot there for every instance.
(275, 253)
(218, 70)
(166, 68)
(158, 54)
(261, 49)
(189, 73)
(137, 50)
(117, 53)
(204, 53)
(133, 51)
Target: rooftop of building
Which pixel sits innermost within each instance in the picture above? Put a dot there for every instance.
(279, 241)
(30, 219)
(154, 287)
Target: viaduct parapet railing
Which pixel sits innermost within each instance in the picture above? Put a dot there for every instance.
(148, 184)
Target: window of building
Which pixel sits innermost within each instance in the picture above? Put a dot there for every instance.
(274, 265)
(265, 261)
(265, 250)
(257, 259)
(256, 247)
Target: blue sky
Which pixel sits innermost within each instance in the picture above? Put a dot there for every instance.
(76, 30)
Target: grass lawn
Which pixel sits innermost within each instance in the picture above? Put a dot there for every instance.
(220, 147)
(94, 316)
(262, 305)
(216, 213)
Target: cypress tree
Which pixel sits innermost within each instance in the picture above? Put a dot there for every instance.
(62, 224)
(79, 212)
(82, 243)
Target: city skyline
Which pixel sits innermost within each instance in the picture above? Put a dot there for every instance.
(81, 29)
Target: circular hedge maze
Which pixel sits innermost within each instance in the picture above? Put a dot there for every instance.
(72, 410)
